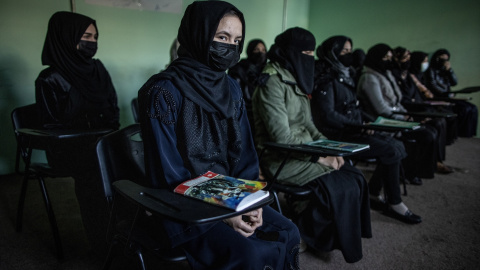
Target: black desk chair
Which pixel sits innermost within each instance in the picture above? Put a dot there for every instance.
(26, 118)
(120, 157)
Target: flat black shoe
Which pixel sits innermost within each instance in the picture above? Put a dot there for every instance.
(409, 217)
(415, 181)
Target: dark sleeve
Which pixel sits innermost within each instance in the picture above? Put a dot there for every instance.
(160, 105)
(248, 167)
(434, 84)
(452, 78)
(114, 121)
(51, 95)
(326, 111)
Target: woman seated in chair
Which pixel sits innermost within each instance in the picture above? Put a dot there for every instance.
(338, 215)
(335, 107)
(194, 120)
(76, 92)
(380, 95)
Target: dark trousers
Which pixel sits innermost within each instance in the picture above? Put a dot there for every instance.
(78, 158)
(421, 145)
(273, 246)
(389, 153)
(440, 125)
(467, 115)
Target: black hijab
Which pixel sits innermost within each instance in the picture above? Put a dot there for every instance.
(191, 73)
(329, 51)
(374, 57)
(287, 51)
(87, 75)
(258, 59)
(416, 59)
(358, 58)
(436, 62)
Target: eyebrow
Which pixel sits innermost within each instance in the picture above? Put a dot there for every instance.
(228, 34)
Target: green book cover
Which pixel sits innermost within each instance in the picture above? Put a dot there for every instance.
(340, 146)
(381, 121)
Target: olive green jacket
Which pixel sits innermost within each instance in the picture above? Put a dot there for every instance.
(282, 115)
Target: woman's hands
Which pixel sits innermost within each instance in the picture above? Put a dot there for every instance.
(333, 162)
(247, 223)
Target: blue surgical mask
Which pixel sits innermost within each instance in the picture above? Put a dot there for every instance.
(424, 66)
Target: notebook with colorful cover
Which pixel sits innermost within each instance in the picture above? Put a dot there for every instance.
(234, 193)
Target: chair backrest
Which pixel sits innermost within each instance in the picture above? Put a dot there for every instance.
(135, 110)
(120, 156)
(24, 117)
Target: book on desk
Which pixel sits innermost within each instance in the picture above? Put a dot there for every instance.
(337, 145)
(230, 192)
(381, 121)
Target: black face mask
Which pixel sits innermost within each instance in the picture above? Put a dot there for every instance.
(223, 56)
(258, 58)
(385, 65)
(405, 65)
(346, 59)
(87, 48)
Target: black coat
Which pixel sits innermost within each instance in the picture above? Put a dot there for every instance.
(334, 106)
(63, 106)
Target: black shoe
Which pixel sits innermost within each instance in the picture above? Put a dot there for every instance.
(378, 205)
(415, 181)
(409, 217)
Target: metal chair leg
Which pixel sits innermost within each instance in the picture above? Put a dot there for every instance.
(51, 217)
(21, 202)
(141, 260)
(277, 202)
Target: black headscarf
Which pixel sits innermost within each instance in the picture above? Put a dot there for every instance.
(287, 51)
(374, 57)
(87, 75)
(256, 58)
(398, 54)
(437, 63)
(358, 58)
(416, 59)
(191, 73)
(329, 52)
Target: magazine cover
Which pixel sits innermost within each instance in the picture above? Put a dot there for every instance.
(381, 121)
(336, 145)
(222, 190)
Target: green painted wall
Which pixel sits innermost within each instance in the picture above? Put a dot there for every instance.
(135, 44)
(424, 25)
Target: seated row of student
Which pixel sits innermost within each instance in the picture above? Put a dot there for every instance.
(248, 73)
(412, 101)
(438, 78)
(335, 107)
(380, 96)
(338, 214)
(76, 92)
(419, 63)
(193, 119)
